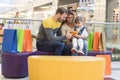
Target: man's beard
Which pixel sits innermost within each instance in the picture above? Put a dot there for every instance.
(59, 20)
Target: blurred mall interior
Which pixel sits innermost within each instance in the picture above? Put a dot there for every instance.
(101, 15)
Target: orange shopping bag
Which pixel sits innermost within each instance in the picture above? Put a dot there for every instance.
(96, 41)
(108, 63)
(27, 41)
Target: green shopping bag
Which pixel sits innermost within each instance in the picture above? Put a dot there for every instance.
(90, 41)
(20, 36)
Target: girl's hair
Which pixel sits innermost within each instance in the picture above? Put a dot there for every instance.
(79, 19)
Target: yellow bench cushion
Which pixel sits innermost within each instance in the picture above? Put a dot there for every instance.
(66, 68)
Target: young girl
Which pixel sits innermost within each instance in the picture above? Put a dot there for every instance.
(78, 40)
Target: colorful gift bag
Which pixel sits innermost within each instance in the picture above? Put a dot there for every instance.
(20, 36)
(102, 42)
(9, 41)
(27, 41)
(96, 41)
(100, 47)
(90, 41)
(108, 63)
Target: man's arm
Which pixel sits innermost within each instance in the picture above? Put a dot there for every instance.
(51, 37)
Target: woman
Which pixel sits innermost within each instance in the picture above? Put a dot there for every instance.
(68, 26)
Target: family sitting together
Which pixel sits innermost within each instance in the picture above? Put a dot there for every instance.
(61, 34)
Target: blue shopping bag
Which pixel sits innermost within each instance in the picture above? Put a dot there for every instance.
(9, 41)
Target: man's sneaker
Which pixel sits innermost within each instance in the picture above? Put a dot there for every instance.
(73, 50)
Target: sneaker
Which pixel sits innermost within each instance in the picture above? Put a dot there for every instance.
(80, 52)
(73, 50)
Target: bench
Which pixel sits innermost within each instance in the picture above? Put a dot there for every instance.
(66, 68)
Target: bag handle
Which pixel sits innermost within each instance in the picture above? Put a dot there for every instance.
(27, 26)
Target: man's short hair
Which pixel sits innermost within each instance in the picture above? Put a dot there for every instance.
(61, 10)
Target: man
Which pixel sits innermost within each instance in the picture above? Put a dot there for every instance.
(46, 40)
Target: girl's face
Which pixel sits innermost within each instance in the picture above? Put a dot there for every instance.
(79, 24)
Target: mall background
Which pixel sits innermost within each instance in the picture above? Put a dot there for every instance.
(101, 15)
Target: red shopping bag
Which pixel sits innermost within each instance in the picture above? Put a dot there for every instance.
(27, 41)
(108, 63)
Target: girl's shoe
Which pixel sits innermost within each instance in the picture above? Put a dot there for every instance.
(73, 50)
(81, 52)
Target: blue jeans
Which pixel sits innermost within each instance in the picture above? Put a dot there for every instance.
(85, 49)
(53, 47)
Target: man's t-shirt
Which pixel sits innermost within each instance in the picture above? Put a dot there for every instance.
(48, 29)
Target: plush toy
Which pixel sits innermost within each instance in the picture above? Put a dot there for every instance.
(74, 32)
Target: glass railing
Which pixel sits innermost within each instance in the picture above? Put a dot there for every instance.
(112, 30)
(112, 33)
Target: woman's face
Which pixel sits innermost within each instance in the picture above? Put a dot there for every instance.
(70, 18)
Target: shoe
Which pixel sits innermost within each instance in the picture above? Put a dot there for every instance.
(80, 52)
(73, 50)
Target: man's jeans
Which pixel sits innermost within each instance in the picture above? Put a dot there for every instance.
(50, 46)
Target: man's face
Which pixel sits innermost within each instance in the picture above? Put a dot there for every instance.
(62, 17)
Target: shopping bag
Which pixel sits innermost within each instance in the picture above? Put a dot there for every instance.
(103, 41)
(27, 41)
(108, 63)
(96, 41)
(90, 41)
(100, 48)
(20, 36)
(9, 41)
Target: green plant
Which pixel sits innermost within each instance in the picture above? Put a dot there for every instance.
(114, 50)
(116, 58)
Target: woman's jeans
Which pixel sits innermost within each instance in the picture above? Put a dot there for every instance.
(53, 47)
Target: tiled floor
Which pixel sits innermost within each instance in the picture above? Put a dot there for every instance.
(114, 76)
